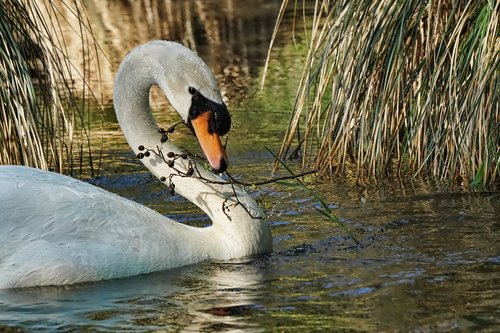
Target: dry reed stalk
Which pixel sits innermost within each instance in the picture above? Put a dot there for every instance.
(401, 87)
(44, 119)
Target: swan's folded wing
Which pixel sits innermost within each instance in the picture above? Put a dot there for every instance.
(58, 230)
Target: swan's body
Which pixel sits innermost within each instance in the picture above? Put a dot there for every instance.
(58, 230)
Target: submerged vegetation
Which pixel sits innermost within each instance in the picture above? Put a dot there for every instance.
(399, 88)
(44, 120)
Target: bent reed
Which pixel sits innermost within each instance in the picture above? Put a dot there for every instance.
(44, 121)
(399, 88)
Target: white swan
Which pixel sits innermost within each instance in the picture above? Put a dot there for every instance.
(58, 230)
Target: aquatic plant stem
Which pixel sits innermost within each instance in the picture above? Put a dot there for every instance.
(326, 210)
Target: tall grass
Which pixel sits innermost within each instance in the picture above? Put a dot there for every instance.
(400, 88)
(44, 119)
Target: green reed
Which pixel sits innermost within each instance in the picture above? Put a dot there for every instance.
(400, 88)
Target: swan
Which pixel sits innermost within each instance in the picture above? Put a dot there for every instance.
(57, 230)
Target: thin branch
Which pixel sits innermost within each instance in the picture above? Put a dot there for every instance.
(192, 171)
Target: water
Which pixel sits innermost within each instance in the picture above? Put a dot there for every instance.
(428, 259)
(429, 262)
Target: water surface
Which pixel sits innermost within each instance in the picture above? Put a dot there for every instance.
(429, 262)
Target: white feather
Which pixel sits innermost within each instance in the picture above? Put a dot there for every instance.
(58, 230)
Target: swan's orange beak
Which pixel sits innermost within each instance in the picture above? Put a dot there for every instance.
(210, 142)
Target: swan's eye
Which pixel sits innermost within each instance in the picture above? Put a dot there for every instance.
(191, 90)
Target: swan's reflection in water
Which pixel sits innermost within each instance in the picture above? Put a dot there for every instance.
(227, 298)
(205, 297)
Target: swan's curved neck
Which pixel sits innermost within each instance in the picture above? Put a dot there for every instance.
(235, 230)
(131, 102)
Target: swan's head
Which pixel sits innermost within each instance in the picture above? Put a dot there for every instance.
(192, 90)
(209, 120)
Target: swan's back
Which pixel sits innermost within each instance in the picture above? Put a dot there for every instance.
(57, 230)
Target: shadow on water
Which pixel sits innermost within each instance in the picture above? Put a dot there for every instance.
(429, 260)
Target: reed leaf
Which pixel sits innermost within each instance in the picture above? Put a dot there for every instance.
(400, 88)
(325, 209)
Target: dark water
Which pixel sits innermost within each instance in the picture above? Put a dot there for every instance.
(429, 259)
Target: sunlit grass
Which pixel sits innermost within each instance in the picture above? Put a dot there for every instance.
(44, 120)
(400, 88)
